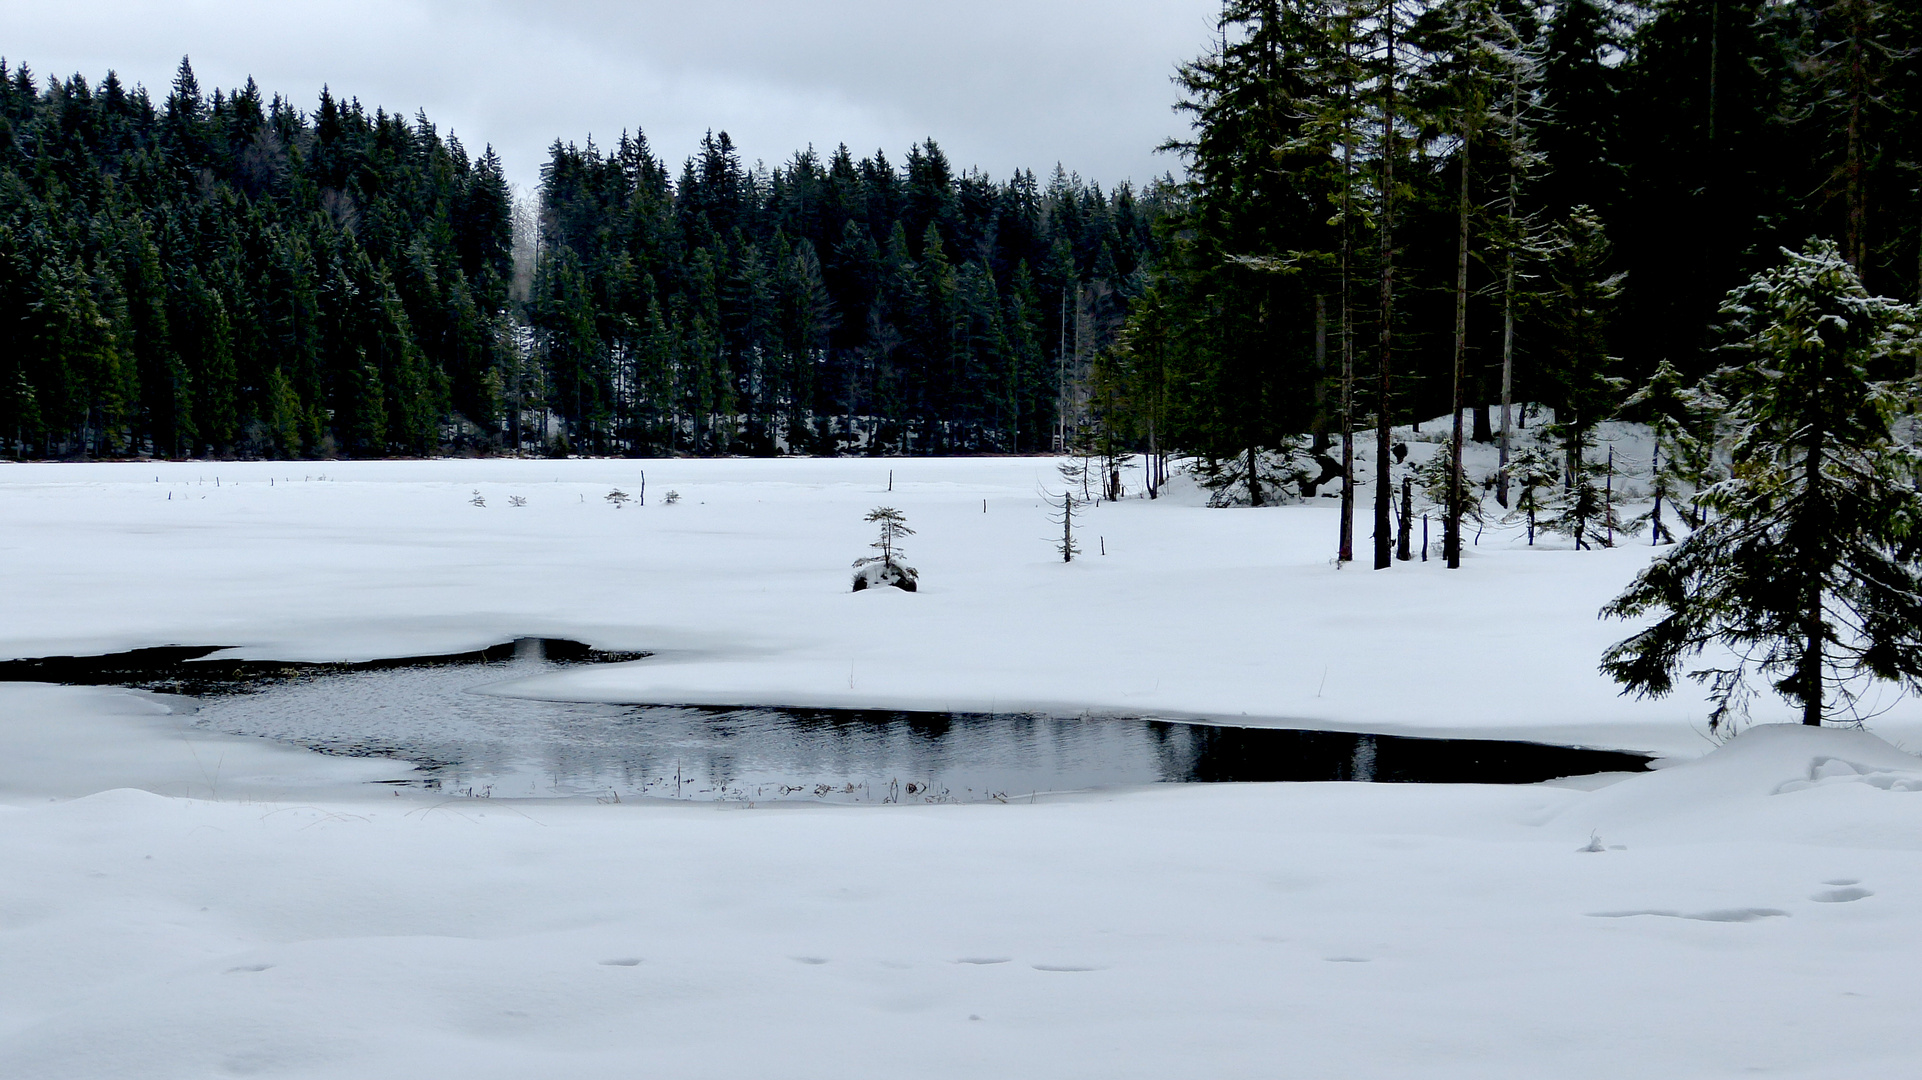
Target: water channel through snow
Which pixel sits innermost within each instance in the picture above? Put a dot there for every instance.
(438, 714)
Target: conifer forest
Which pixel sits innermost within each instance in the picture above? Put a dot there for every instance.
(1375, 212)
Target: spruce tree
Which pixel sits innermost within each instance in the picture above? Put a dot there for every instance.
(1809, 574)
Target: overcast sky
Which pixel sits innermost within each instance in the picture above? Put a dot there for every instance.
(998, 83)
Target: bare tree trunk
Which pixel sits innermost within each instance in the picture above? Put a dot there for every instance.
(1321, 373)
(1858, 202)
(1148, 467)
(1452, 527)
(1657, 531)
(1254, 479)
(1508, 298)
(1383, 492)
(1346, 549)
(1812, 623)
(1608, 499)
(1407, 512)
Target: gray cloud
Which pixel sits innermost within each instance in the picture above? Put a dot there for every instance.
(999, 83)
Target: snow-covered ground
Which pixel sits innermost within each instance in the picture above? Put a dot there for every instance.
(741, 590)
(178, 904)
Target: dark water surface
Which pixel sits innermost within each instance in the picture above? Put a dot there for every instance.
(436, 713)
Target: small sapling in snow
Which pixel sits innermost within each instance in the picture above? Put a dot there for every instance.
(477, 500)
(618, 498)
(886, 568)
(673, 496)
(1067, 545)
(1532, 472)
(517, 500)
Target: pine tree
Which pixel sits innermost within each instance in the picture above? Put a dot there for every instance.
(1809, 573)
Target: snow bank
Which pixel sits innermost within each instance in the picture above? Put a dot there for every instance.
(1786, 781)
(65, 742)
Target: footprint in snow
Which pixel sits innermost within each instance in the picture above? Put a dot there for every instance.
(1841, 896)
(625, 961)
(984, 960)
(810, 959)
(1844, 881)
(246, 968)
(1747, 914)
(1064, 967)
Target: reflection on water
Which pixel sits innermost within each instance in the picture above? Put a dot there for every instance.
(470, 742)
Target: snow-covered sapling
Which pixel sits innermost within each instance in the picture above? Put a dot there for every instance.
(1588, 510)
(618, 498)
(1683, 421)
(886, 568)
(477, 500)
(517, 500)
(1432, 478)
(672, 497)
(1533, 472)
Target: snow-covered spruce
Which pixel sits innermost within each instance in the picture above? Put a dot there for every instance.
(1808, 570)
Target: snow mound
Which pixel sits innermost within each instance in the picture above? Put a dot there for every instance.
(1744, 782)
(874, 573)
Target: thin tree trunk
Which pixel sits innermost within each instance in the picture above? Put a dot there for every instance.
(1608, 499)
(1452, 527)
(1656, 531)
(1148, 466)
(1346, 549)
(1858, 202)
(1812, 623)
(1383, 492)
(1321, 371)
(1714, 65)
(1407, 513)
(1508, 297)
(1254, 479)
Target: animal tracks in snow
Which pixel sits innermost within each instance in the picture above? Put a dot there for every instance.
(1824, 771)
(1747, 914)
(1841, 891)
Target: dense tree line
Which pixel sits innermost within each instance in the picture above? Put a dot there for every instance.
(827, 305)
(226, 275)
(1392, 209)
(1398, 209)
(230, 275)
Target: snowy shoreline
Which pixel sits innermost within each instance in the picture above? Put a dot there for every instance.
(739, 592)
